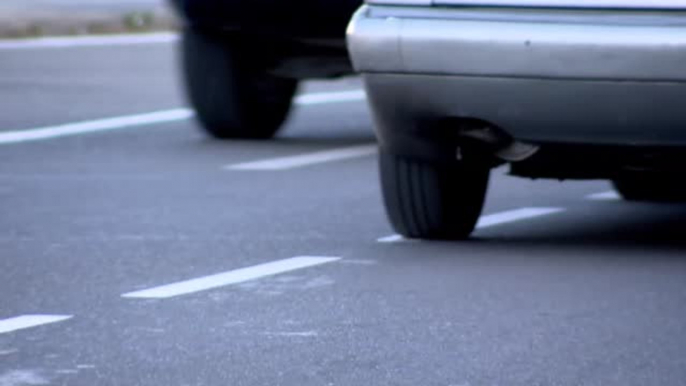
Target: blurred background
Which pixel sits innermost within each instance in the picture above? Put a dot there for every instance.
(32, 18)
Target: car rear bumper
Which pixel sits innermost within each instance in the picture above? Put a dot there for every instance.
(594, 77)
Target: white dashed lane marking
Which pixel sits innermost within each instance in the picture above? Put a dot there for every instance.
(28, 321)
(494, 219)
(157, 117)
(514, 215)
(230, 277)
(106, 124)
(300, 160)
(604, 196)
(391, 239)
(330, 97)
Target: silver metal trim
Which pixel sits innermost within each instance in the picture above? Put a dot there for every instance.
(639, 4)
(528, 48)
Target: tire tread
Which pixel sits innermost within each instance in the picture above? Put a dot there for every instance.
(432, 200)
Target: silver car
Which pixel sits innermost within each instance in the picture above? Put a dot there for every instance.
(566, 89)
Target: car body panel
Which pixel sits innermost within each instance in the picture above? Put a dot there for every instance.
(516, 44)
(535, 110)
(542, 76)
(608, 4)
(301, 40)
(309, 19)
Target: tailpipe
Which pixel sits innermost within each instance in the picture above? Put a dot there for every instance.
(497, 141)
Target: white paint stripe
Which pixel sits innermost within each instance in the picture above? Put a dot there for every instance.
(331, 97)
(492, 220)
(230, 277)
(514, 215)
(391, 239)
(28, 321)
(165, 116)
(88, 41)
(604, 196)
(94, 126)
(301, 160)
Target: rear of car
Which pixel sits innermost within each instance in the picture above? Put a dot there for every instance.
(302, 19)
(560, 89)
(242, 60)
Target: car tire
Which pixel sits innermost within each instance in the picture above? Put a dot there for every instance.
(651, 188)
(432, 199)
(233, 96)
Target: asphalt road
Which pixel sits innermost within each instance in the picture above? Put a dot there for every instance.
(293, 286)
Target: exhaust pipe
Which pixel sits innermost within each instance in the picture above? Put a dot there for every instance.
(498, 142)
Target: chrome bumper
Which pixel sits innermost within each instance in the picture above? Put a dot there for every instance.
(553, 76)
(472, 43)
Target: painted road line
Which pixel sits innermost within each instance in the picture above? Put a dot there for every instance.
(28, 321)
(604, 196)
(106, 124)
(165, 116)
(514, 215)
(296, 161)
(230, 277)
(494, 219)
(331, 97)
(391, 239)
(89, 41)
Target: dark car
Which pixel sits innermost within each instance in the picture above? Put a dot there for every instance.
(242, 59)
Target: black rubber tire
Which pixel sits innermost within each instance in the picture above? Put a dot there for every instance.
(651, 188)
(432, 200)
(232, 94)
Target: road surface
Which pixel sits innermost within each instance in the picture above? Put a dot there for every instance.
(136, 251)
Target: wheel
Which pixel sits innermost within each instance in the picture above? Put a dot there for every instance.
(432, 200)
(233, 96)
(654, 188)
